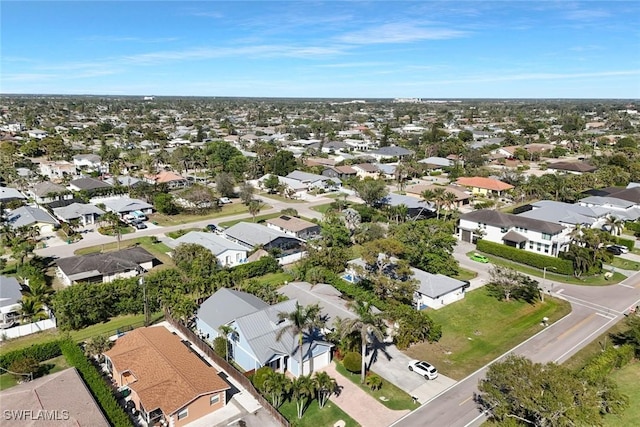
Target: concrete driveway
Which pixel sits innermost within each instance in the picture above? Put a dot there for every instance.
(391, 364)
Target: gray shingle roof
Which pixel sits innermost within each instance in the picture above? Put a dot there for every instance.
(8, 193)
(216, 244)
(89, 184)
(392, 151)
(503, 220)
(9, 291)
(44, 188)
(76, 210)
(254, 234)
(124, 205)
(105, 263)
(28, 215)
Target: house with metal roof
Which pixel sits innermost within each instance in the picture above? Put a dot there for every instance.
(104, 267)
(86, 214)
(416, 208)
(10, 297)
(567, 214)
(255, 340)
(314, 181)
(28, 216)
(228, 253)
(533, 235)
(125, 205)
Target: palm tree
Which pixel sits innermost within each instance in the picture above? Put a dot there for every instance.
(112, 220)
(254, 208)
(300, 320)
(302, 390)
(276, 385)
(226, 330)
(367, 323)
(439, 198)
(39, 291)
(449, 199)
(325, 386)
(97, 345)
(614, 225)
(31, 310)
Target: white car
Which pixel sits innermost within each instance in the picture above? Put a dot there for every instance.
(427, 370)
(224, 200)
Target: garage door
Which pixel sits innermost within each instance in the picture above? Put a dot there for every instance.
(466, 236)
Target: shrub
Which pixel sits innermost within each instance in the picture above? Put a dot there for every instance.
(27, 365)
(220, 346)
(562, 266)
(602, 364)
(352, 362)
(261, 267)
(260, 376)
(38, 352)
(94, 381)
(626, 242)
(374, 382)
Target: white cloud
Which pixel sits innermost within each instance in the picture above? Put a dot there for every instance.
(399, 32)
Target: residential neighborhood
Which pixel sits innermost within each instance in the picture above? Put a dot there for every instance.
(208, 264)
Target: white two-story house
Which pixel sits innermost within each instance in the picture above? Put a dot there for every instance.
(533, 235)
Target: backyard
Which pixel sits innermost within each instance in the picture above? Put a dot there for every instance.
(480, 328)
(153, 246)
(47, 367)
(185, 218)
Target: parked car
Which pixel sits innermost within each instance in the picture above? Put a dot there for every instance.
(140, 225)
(624, 249)
(425, 369)
(224, 200)
(212, 228)
(480, 258)
(614, 249)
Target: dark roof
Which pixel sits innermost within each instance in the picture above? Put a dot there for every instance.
(503, 220)
(106, 263)
(514, 236)
(62, 203)
(392, 151)
(629, 194)
(572, 166)
(89, 183)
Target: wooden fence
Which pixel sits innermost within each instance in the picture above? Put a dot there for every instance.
(228, 368)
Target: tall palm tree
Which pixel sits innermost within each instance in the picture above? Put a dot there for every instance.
(302, 319)
(302, 390)
(254, 208)
(439, 198)
(614, 224)
(226, 330)
(276, 385)
(39, 291)
(367, 323)
(112, 220)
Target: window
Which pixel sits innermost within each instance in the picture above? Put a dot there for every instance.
(546, 236)
(546, 249)
(530, 245)
(183, 414)
(539, 246)
(214, 399)
(504, 229)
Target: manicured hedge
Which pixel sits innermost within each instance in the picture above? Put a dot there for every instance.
(96, 383)
(626, 242)
(261, 267)
(39, 352)
(562, 266)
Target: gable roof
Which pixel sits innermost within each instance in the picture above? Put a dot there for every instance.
(482, 182)
(437, 161)
(83, 266)
(307, 177)
(252, 234)
(435, 285)
(366, 167)
(392, 150)
(167, 176)
(291, 223)
(168, 374)
(44, 188)
(89, 184)
(563, 213)
(215, 243)
(126, 204)
(44, 394)
(8, 193)
(28, 215)
(226, 305)
(572, 166)
(503, 220)
(10, 293)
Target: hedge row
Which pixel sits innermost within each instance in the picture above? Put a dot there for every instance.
(561, 266)
(39, 352)
(99, 388)
(354, 291)
(612, 358)
(630, 243)
(261, 267)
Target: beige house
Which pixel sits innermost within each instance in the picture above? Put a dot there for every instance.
(166, 381)
(293, 226)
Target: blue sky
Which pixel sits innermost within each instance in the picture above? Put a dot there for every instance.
(346, 49)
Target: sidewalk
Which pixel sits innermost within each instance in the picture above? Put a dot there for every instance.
(359, 405)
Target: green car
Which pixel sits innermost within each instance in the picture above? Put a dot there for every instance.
(480, 258)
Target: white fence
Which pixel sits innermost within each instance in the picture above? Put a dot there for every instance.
(31, 328)
(288, 259)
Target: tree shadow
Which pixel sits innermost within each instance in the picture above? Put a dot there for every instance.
(378, 348)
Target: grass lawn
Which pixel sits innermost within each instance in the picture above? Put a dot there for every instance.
(322, 208)
(48, 367)
(314, 416)
(179, 233)
(109, 327)
(578, 360)
(586, 280)
(464, 274)
(274, 278)
(280, 198)
(394, 398)
(258, 218)
(125, 229)
(184, 218)
(471, 337)
(628, 380)
(625, 264)
(159, 250)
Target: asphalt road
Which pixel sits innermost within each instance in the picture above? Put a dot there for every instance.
(594, 310)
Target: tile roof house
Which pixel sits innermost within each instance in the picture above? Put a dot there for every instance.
(62, 395)
(28, 216)
(104, 267)
(533, 235)
(86, 214)
(171, 179)
(10, 297)
(256, 325)
(168, 381)
(228, 253)
(484, 186)
(293, 226)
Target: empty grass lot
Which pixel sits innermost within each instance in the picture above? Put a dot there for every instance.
(159, 250)
(394, 398)
(314, 416)
(185, 218)
(628, 380)
(625, 264)
(480, 328)
(258, 218)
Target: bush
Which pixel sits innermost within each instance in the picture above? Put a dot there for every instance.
(95, 382)
(38, 352)
(352, 362)
(626, 242)
(602, 364)
(260, 376)
(220, 346)
(562, 266)
(261, 267)
(27, 365)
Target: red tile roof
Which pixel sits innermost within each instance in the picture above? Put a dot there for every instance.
(486, 183)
